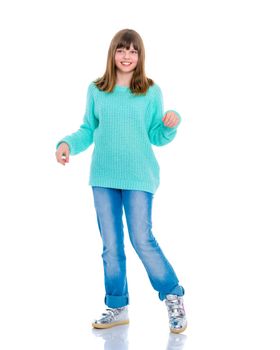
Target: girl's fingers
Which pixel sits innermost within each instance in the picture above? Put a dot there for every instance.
(62, 157)
(61, 161)
(174, 121)
(170, 121)
(166, 118)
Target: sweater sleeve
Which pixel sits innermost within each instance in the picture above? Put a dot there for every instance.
(159, 134)
(83, 138)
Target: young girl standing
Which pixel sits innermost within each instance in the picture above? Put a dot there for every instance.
(124, 117)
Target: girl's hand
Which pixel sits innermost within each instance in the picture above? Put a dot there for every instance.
(170, 119)
(62, 153)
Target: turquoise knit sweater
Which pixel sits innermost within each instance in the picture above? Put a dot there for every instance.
(123, 128)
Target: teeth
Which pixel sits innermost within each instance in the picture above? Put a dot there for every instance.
(126, 63)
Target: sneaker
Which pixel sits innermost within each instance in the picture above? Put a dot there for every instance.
(176, 313)
(112, 317)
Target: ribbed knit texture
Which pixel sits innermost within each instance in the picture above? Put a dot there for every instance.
(123, 128)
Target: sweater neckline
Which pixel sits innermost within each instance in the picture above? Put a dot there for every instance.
(121, 87)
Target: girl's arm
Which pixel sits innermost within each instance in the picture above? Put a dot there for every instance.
(159, 134)
(83, 138)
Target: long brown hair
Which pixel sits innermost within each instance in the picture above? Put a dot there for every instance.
(139, 83)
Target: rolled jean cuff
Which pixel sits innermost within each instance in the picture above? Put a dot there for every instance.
(178, 290)
(114, 301)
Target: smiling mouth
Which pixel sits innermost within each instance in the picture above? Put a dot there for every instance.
(126, 64)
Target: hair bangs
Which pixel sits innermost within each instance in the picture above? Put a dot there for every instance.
(126, 40)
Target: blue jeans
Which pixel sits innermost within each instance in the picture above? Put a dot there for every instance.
(109, 203)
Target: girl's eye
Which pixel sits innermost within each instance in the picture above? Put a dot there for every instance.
(132, 51)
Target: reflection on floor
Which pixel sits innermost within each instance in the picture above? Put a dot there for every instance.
(116, 338)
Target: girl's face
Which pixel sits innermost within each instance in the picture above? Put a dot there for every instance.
(126, 60)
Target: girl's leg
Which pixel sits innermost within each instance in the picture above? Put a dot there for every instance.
(108, 206)
(138, 211)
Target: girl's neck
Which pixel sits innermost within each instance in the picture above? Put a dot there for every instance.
(124, 79)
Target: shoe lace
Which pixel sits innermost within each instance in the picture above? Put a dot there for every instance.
(175, 308)
(111, 313)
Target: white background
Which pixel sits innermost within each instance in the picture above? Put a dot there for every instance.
(216, 212)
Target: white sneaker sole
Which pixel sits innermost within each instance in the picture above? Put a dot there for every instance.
(109, 325)
(178, 330)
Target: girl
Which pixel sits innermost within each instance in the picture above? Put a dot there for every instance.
(123, 117)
